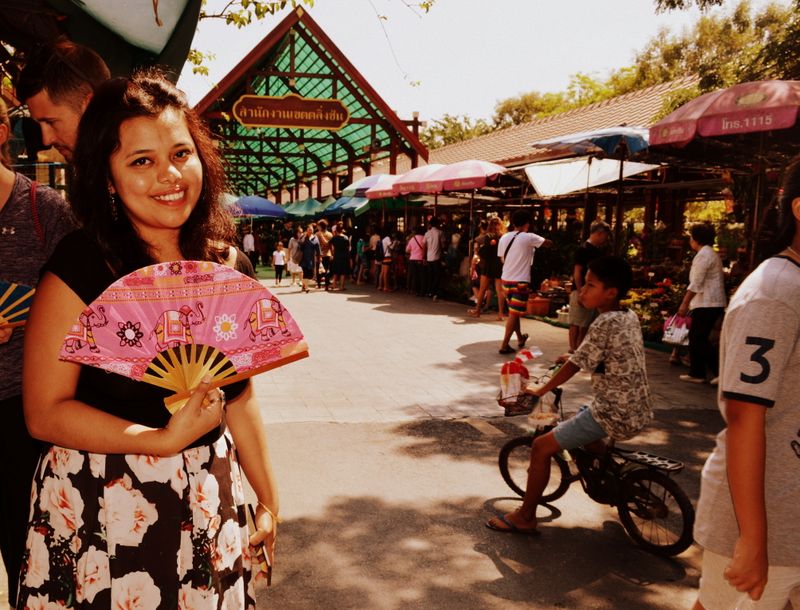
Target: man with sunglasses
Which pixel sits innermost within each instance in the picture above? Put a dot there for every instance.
(56, 83)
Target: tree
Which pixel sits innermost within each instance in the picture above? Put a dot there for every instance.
(583, 89)
(664, 5)
(451, 128)
(721, 49)
(528, 106)
(779, 58)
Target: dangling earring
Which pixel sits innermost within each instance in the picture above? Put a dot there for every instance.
(112, 205)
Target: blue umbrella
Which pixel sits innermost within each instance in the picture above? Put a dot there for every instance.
(600, 142)
(253, 205)
(344, 204)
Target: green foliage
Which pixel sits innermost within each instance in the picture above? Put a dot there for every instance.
(722, 48)
(198, 59)
(705, 211)
(779, 57)
(583, 89)
(451, 128)
(668, 5)
(240, 13)
(527, 107)
(675, 99)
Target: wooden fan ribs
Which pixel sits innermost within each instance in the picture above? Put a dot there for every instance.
(14, 313)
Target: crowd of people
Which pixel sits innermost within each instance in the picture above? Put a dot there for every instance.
(327, 256)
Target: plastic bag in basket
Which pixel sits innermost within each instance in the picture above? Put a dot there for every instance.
(544, 413)
(514, 378)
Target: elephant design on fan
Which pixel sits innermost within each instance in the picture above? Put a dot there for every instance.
(266, 319)
(81, 334)
(174, 326)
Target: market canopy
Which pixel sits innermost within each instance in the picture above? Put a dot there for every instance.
(295, 111)
(553, 178)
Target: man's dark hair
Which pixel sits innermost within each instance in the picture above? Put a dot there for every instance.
(789, 191)
(434, 222)
(613, 272)
(520, 218)
(703, 233)
(600, 225)
(208, 229)
(69, 72)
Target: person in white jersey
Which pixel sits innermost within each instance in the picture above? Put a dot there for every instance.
(748, 508)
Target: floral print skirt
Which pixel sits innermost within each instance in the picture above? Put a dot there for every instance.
(137, 531)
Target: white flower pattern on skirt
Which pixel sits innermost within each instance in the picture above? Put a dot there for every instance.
(38, 560)
(93, 575)
(135, 591)
(137, 532)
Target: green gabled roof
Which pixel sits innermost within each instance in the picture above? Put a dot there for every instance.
(297, 57)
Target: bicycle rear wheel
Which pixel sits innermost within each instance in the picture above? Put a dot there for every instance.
(514, 459)
(656, 512)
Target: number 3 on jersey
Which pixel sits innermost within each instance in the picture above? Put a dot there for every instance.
(764, 345)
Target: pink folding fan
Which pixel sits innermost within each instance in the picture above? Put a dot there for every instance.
(173, 323)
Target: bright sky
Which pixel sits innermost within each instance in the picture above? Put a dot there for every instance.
(463, 56)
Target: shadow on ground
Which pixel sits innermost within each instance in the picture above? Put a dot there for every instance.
(684, 434)
(373, 554)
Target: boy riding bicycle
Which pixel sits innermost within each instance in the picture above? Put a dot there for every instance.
(614, 351)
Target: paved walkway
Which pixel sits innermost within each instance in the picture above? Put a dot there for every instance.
(384, 357)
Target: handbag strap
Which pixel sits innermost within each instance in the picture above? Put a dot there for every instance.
(35, 213)
(508, 247)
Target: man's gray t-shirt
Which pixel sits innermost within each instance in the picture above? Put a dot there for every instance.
(613, 351)
(760, 364)
(23, 252)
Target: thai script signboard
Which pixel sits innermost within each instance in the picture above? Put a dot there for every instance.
(291, 111)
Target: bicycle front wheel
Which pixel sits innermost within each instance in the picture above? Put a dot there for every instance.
(515, 457)
(656, 512)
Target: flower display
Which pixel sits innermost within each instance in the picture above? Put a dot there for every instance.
(654, 305)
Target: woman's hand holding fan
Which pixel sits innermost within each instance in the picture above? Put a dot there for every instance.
(172, 324)
(201, 414)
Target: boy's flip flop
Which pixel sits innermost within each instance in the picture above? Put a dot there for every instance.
(511, 528)
(507, 350)
(521, 343)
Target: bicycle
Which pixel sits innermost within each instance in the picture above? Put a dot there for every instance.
(654, 510)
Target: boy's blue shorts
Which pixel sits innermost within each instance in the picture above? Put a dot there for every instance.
(579, 430)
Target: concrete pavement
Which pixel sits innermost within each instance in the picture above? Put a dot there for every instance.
(388, 510)
(393, 357)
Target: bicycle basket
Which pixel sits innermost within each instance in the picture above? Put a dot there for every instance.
(518, 404)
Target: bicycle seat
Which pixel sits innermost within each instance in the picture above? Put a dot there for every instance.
(649, 459)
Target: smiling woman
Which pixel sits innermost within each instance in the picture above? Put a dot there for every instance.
(159, 165)
(131, 501)
(157, 174)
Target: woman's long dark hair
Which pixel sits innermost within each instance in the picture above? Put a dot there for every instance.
(790, 190)
(207, 231)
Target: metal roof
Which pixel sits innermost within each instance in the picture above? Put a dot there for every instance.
(298, 58)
